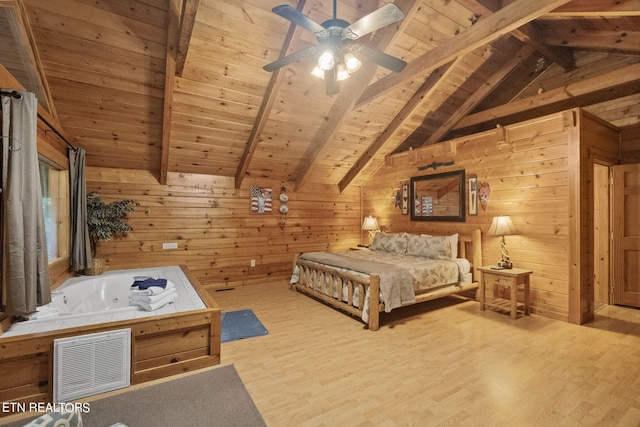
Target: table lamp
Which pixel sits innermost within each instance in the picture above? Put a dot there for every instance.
(371, 225)
(503, 226)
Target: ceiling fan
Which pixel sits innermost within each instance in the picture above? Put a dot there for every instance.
(337, 55)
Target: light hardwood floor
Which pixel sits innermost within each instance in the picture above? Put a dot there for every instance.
(444, 362)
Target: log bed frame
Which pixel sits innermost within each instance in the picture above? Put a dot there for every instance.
(310, 272)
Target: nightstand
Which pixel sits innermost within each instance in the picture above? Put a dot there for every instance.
(507, 278)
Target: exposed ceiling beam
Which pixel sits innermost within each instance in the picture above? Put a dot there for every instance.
(484, 31)
(347, 98)
(407, 111)
(481, 93)
(187, 22)
(267, 103)
(528, 33)
(561, 55)
(622, 41)
(601, 88)
(173, 21)
(598, 8)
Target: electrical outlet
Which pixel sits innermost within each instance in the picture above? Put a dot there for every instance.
(253, 263)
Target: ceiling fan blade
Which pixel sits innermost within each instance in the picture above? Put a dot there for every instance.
(387, 14)
(295, 16)
(382, 59)
(290, 58)
(332, 85)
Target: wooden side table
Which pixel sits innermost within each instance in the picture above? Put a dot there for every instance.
(510, 278)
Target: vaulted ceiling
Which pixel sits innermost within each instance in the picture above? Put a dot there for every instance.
(178, 85)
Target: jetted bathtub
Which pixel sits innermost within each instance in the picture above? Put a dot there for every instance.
(179, 337)
(90, 300)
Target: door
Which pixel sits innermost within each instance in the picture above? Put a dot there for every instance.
(626, 235)
(601, 236)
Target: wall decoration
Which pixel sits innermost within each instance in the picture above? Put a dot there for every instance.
(435, 165)
(484, 191)
(427, 206)
(473, 195)
(439, 197)
(405, 199)
(283, 209)
(261, 201)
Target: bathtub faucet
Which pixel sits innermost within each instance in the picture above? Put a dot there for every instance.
(58, 293)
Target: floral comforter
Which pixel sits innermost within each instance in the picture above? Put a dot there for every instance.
(426, 273)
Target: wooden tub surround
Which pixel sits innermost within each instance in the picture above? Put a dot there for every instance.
(469, 247)
(161, 346)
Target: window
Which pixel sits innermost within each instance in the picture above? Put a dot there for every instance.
(55, 189)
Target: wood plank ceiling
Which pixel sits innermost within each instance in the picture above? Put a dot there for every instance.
(178, 85)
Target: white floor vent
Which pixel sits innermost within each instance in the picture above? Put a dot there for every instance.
(91, 364)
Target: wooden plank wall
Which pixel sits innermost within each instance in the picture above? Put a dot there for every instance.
(630, 145)
(596, 142)
(217, 236)
(527, 168)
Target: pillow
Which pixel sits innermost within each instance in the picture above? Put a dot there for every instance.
(430, 247)
(454, 244)
(390, 242)
(57, 419)
(453, 239)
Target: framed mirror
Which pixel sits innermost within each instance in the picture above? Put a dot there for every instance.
(438, 197)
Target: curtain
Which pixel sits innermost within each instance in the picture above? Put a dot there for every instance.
(80, 243)
(25, 268)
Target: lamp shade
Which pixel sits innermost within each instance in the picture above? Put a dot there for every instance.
(370, 224)
(502, 226)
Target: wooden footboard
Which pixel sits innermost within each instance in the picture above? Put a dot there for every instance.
(327, 284)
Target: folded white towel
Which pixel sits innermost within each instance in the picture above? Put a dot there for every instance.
(44, 311)
(158, 304)
(150, 299)
(153, 290)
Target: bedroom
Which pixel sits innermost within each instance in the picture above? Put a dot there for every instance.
(193, 174)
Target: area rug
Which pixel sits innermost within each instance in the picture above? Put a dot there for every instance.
(212, 397)
(241, 324)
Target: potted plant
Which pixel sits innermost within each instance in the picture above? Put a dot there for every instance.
(105, 222)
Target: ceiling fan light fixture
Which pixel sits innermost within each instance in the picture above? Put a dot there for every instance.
(318, 72)
(326, 61)
(351, 62)
(342, 73)
(336, 55)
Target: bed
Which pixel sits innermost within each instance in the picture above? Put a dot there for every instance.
(399, 269)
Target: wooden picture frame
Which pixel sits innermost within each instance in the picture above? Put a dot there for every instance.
(405, 199)
(261, 200)
(438, 197)
(473, 195)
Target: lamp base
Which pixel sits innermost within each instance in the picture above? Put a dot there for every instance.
(505, 264)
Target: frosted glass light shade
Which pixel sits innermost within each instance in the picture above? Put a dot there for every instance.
(370, 224)
(502, 226)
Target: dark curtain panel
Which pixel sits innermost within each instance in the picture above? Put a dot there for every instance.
(80, 243)
(25, 270)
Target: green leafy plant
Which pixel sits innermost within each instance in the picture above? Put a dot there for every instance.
(107, 221)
